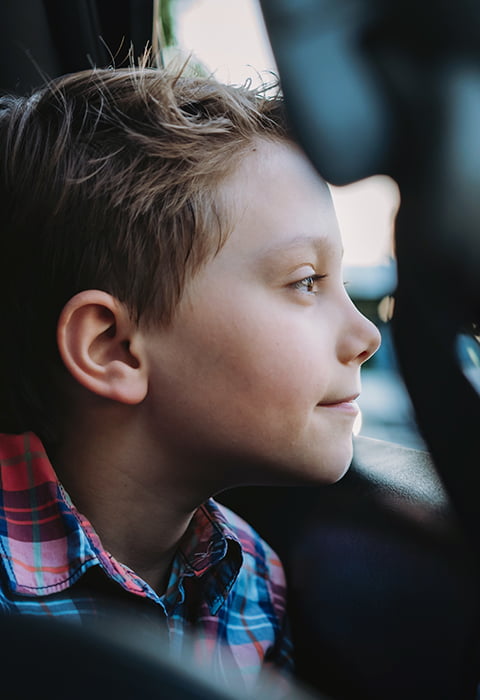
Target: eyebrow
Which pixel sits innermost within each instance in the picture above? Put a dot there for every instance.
(300, 242)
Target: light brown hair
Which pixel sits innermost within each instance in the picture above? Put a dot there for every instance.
(108, 181)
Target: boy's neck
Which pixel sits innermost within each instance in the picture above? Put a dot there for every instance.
(125, 490)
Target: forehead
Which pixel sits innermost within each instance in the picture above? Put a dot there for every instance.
(278, 203)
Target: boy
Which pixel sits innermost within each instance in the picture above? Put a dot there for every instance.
(174, 324)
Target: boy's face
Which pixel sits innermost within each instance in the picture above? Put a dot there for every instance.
(257, 373)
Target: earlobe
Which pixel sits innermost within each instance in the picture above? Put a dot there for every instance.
(101, 347)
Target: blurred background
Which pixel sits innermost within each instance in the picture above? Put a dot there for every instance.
(229, 40)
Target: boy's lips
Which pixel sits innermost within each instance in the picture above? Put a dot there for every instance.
(335, 402)
(347, 403)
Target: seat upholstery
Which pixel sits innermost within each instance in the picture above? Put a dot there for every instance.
(383, 589)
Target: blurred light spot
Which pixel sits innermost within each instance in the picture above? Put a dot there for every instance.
(386, 308)
(227, 36)
(366, 213)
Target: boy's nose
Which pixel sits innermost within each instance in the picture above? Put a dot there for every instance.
(360, 339)
(374, 339)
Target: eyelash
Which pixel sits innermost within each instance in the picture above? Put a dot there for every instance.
(304, 284)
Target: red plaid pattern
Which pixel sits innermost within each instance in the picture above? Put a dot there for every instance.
(226, 592)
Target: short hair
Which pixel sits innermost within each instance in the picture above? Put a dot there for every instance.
(108, 181)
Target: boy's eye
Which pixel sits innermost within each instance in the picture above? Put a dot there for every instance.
(309, 284)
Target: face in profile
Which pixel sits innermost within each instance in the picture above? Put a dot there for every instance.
(260, 368)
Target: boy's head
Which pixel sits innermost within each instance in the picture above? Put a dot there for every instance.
(109, 181)
(164, 237)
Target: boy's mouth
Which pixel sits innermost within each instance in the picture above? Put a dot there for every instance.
(340, 401)
(347, 404)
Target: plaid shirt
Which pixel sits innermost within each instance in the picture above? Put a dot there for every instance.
(226, 592)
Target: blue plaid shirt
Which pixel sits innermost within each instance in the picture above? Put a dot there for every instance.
(225, 597)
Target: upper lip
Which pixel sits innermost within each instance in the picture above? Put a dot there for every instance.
(346, 399)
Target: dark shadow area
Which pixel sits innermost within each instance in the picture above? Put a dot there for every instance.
(384, 593)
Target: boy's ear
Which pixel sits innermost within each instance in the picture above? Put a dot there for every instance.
(101, 347)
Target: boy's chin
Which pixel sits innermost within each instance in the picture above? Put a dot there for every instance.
(321, 468)
(340, 462)
(329, 471)
(329, 464)
(315, 463)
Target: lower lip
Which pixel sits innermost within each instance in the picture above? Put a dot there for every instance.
(349, 407)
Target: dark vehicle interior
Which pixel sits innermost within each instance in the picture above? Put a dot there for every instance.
(383, 566)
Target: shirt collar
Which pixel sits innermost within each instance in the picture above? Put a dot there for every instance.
(46, 545)
(210, 551)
